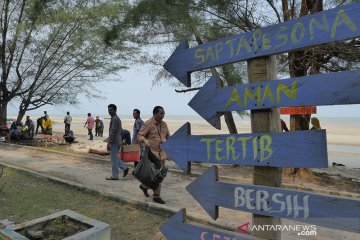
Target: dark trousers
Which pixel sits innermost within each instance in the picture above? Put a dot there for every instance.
(67, 127)
(90, 134)
(37, 128)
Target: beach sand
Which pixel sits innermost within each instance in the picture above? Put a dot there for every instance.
(343, 139)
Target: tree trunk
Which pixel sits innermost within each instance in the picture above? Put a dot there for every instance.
(21, 115)
(3, 112)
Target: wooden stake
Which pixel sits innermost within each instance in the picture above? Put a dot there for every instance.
(266, 120)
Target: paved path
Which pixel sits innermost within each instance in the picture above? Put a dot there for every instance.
(90, 173)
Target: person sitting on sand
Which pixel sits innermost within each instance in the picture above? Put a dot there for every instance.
(47, 125)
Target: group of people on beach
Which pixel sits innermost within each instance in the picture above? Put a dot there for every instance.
(19, 131)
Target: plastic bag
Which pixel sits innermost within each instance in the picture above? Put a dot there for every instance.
(150, 171)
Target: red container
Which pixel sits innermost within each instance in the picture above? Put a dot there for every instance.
(130, 153)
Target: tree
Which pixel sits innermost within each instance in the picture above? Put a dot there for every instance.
(169, 21)
(51, 50)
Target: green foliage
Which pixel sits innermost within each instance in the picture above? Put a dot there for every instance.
(54, 48)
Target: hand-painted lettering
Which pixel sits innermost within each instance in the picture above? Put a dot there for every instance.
(265, 148)
(233, 98)
(324, 26)
(208, 141)
(266, 41)
(249, 94)
(243, 43)
(230, 141)
(230, 43)
(210, 54)
(341, 18)
(268, 94)
(290, 93)
(260, 94)
(277, 37)
(198, 54)
(256, 37)
(218, 149)
(262, 200)
(298, 27)
(230, 148)
(282, 36)
(219, 47)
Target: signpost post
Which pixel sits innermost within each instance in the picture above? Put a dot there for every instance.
(267, 120)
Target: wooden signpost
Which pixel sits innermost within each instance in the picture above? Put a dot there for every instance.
(176, 228)
(265, 148)
(274, 149)
(300, 206)
(324, 27)
(316, 90)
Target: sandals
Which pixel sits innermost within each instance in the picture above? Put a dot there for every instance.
(111, 178)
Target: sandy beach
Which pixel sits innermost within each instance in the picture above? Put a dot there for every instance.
(343, 137)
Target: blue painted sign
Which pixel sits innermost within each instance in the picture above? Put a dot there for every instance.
(327, 211)
(301, 149)
(317, 90)
(176, 228)
(333, 25)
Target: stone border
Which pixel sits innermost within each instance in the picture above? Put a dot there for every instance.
(99, 230)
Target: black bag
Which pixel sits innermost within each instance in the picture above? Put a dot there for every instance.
(150, 171)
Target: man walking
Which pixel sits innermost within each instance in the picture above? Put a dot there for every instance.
(136, 129)
(67, 121)
(153, 133)
(114, 144)
(39, 124)
(90, 122)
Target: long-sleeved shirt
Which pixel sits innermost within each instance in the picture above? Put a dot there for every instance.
(47, 124)
(156, 133)
(115, 130)
(137, 125)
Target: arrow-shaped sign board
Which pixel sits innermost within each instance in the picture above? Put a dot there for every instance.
(333, 25)
(333, 212)
(317, 90)
(176, 229)
(300, 149)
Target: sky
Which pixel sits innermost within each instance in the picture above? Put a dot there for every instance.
(136, 91)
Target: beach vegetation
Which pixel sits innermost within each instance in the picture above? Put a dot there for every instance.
(52, 52)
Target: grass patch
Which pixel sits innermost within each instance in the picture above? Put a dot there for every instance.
(25, 197)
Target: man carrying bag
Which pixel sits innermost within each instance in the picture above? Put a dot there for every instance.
(153, 133)
(150, 172)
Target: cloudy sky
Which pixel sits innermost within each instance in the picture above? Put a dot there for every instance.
(136, 91)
